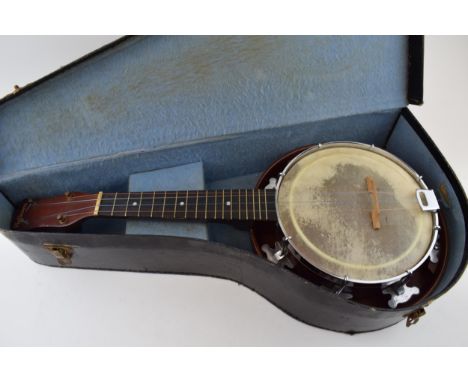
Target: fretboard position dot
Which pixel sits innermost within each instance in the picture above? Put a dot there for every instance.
(181, 203)
(134, 204)
(228, 203)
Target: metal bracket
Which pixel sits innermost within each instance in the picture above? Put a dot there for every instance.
(62, 253)
(343, 286)
(427, 200)
(271, 184)
(274, 255)
(400, 295)
(282, 253)
(434, 255)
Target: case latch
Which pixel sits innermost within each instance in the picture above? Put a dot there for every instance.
(63, 253)
(413, 317)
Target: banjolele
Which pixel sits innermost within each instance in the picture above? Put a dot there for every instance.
(349, 216)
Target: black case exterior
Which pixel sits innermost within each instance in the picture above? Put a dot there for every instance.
(294, 295)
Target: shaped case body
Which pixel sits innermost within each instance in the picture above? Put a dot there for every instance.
(235, 104)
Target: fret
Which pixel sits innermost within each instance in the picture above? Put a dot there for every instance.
(164, 204)
(113, 204)
(240, 205)
(246, 207)
(201, 206)
(133, 204)
(231, 204)
(266, 205)
(250, 205)
(147, 205)
(196, 207)
(141, 200)
(253, 203)
(108, 202)
(206, 205)
(190, 205)
(222, 216)
(126, 207)
(215, 197)
(221, 203)
(152, 205)
(179, 205)
(259, 206)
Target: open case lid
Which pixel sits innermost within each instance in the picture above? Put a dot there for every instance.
(147, 93)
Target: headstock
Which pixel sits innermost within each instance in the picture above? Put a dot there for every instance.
(55, 212)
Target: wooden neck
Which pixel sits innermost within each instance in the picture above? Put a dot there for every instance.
(221, 205)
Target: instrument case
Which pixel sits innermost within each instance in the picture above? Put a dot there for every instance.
(228, 106)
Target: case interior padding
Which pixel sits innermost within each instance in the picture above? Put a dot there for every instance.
(150, 93)
(186, 177)
(223, 157)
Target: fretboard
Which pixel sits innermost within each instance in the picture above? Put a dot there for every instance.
(191, 205)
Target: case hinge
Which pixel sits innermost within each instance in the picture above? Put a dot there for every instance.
(413, 317)
(62, 253)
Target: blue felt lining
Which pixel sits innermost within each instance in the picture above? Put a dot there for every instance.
(230, 234)
(186, 177)
(148, 93)
(223, 157)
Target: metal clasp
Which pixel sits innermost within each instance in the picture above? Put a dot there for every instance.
(62, 253)
(413, 317)
(427, 200)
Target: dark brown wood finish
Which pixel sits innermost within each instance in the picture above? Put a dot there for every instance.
(54, 213)
(214, 205)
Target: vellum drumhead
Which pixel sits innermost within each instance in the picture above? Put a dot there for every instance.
(324, 206)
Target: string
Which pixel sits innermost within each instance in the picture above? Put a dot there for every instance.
(245, 198)
(270, 207)
(183, 196)
(235, 205)
(199, 193)
(250, 206)
(182, 211)
(227, 191)
(167, 214)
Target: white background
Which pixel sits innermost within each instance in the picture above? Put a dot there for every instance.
(48, 306)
